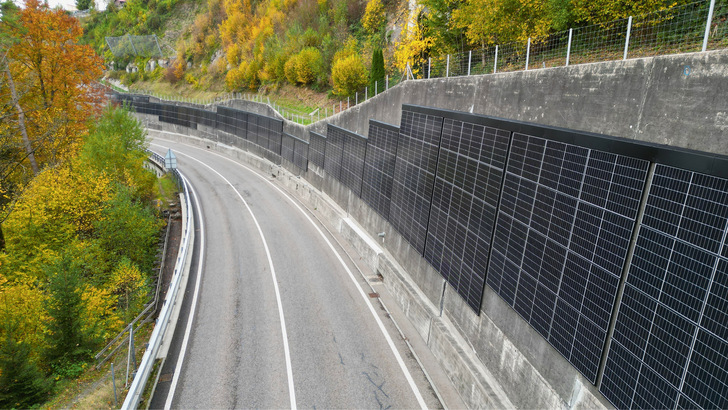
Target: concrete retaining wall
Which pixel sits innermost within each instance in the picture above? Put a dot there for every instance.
(678, 100)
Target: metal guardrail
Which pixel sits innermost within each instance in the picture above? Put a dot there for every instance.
(146, 365)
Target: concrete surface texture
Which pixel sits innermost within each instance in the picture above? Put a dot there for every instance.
(677, 99)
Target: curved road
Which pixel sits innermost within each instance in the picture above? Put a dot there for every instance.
(280, 317)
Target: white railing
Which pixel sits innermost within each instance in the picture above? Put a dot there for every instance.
(146, 365)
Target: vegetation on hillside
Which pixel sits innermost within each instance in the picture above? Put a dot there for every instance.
(78, 229)
(328, 45)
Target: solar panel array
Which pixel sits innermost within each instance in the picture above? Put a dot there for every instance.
(564, 240)
(670, 343)
(414, 174)
(464, 202)
(379, 166)
(317, 150)
(564, 227)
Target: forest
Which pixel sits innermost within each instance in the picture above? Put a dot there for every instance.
(79, 227)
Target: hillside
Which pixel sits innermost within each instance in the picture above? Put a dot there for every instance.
(329, 46)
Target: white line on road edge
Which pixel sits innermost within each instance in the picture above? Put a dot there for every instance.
(289, 369)
(183, 349)
(364, 296)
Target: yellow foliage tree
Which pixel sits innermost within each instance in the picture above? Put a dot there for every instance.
(58, 205)
(501, 21)
(349, 75)
(374, 17)
(413, 45)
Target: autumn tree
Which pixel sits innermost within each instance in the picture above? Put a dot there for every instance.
(374, 17)
(501, 21)
(55, 77)
(49, 96)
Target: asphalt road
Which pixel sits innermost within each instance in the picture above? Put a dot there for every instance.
(282, 317)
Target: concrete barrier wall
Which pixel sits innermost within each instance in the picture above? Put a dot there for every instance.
(677, 100)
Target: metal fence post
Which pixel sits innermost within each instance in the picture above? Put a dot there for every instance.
(429, 66)
(568, 47)
(366, 93)
(447, 67)
(376, 87)
(495, 63)
(356, 98)
(470, 60)
(347, 103)
(528, 51)
(707, 25)
(340, 105)
(626, 41)
(386, 84)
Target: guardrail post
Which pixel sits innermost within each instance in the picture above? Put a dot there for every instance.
(568, 47)
(626, 41)
(470, 60)
(113, 382)
(528, 52)
(495, 63)
(707, 25)
(447, 67)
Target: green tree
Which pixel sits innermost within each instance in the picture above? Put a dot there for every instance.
(116, 146)
(22, 384)
(128, 229)
(84, 4)
(378, 74)
(69, 345)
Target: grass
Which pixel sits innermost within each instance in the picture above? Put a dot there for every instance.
(93, 389)
(167, 190)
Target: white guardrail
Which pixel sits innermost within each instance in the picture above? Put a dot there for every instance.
(136, 389)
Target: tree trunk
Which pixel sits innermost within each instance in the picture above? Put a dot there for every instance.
(21, 122)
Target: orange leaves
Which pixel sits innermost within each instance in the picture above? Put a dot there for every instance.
(55, 77)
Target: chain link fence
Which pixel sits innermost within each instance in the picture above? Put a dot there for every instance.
(682, 29)
(135, 46)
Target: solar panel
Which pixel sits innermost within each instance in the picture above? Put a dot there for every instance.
(334, 152)
(414, 173)
(466, 190)
(565, 222)
(317, 150)
(670, 346)
(300, 153)
(379, 166)
(287, 147)
(352, 157)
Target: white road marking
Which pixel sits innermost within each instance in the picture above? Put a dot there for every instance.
(183, 349)
(363, 294)
(289, 369)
